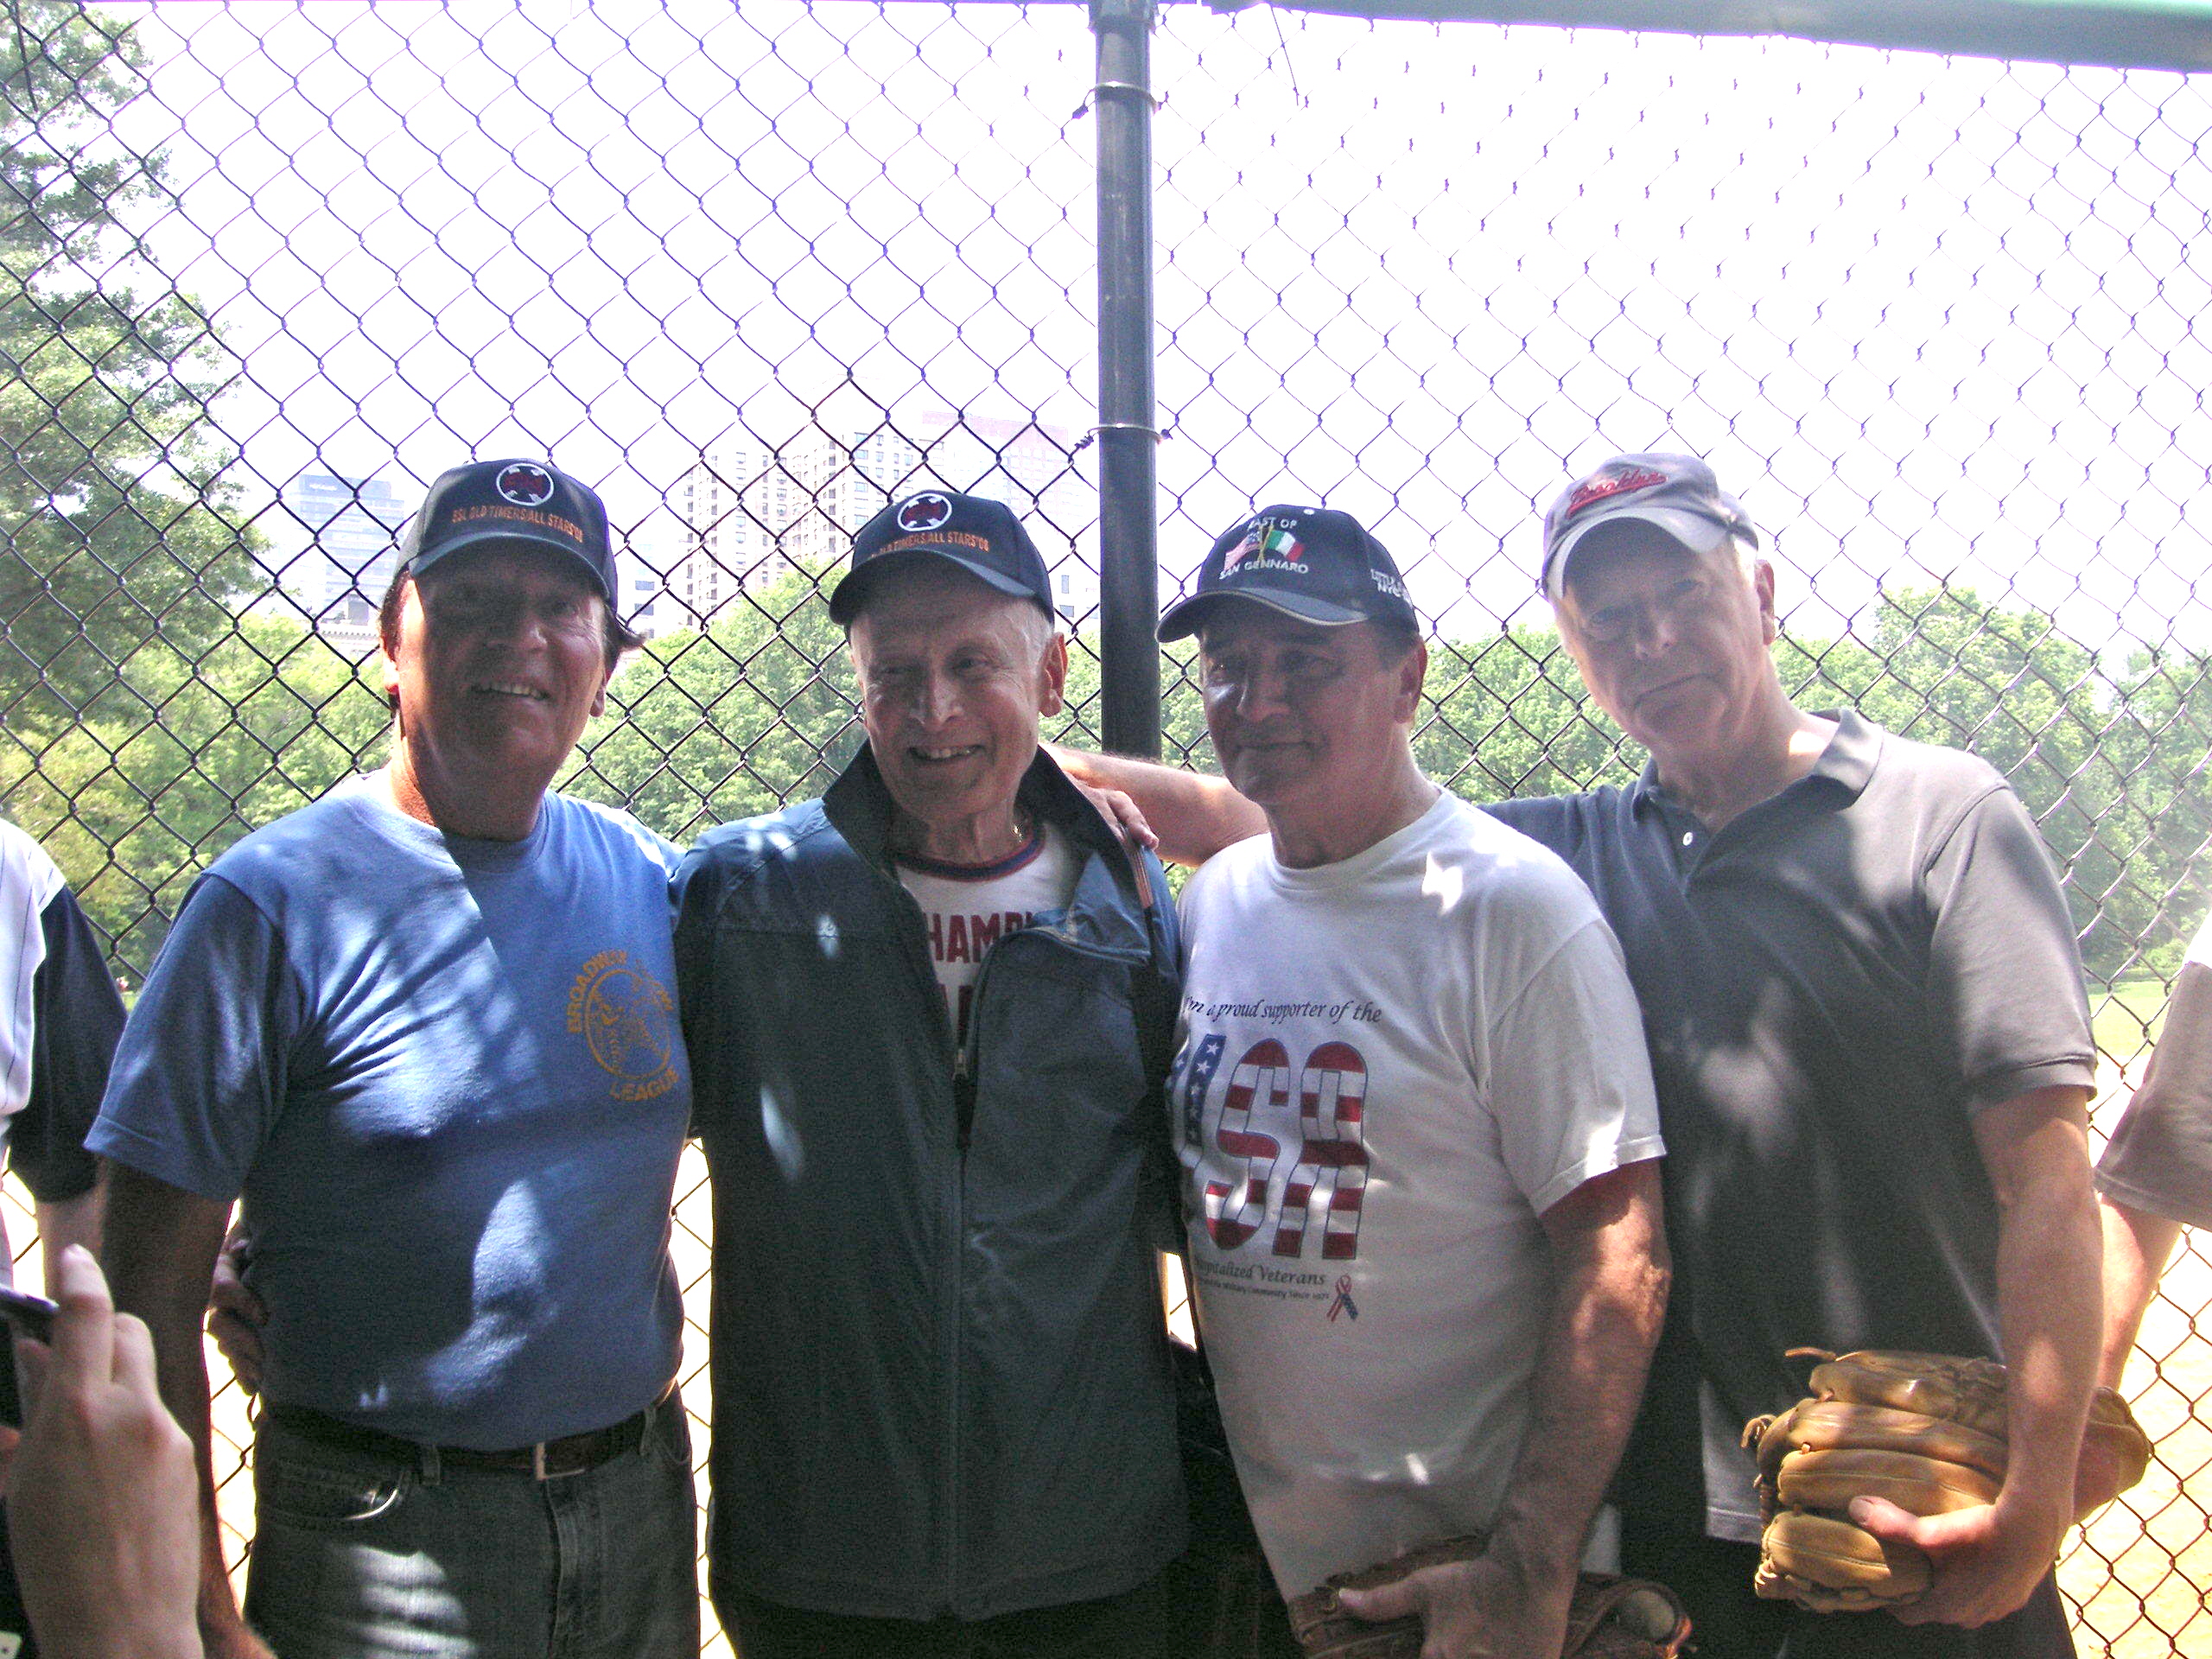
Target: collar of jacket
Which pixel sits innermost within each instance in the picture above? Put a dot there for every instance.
(1107, 912)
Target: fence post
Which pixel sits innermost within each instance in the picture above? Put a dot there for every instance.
(1128, 556)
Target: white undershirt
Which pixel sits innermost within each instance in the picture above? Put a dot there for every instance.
(29, 881)
(970, 908)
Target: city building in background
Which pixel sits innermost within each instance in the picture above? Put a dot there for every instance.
(645, 600)
(648, 556)
(755, 512)
(1031, 467)
(752, 511)
(331, 540)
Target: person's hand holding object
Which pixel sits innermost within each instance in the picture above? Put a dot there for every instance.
(103, 1510)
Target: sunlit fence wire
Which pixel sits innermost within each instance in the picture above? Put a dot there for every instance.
(753, 271)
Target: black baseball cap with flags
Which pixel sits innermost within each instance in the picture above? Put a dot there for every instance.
(980, 536)
(533, 503)
(1314, 563)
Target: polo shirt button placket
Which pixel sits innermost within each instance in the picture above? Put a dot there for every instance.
(1690, 855)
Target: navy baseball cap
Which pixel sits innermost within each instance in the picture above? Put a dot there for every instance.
(1677, 494)
(980, 536)
(1314, 563)
(529, 502)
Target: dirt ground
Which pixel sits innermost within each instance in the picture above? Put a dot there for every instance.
(2140, 1575)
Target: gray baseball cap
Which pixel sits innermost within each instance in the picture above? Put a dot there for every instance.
(1677, 494)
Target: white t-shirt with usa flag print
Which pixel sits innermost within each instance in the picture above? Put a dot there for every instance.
(1387, 1068)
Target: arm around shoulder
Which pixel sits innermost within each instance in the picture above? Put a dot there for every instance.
(1193, 814)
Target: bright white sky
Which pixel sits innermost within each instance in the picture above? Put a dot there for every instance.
(1927, 318)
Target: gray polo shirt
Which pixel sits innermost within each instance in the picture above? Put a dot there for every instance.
(1833, 985)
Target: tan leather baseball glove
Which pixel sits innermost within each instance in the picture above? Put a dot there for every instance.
(1924, 1431)
(1609, 1618)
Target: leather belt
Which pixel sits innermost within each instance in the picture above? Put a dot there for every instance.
(571, 1454)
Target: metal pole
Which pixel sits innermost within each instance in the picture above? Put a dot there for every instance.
(1128, 536)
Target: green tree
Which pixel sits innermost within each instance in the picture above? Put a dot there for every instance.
(116, 530)
(1511, 717)
(1944, 666)
(2157, 745)
(137, 799)
(704, 726)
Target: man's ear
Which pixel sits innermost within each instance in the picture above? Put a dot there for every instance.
(1763, 587)
(391, 620)
(1052, 674)
(1413, 674)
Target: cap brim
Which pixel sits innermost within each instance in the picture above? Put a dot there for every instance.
(1695, 531)
(1188, 616)
(502, 535)
(845, 599)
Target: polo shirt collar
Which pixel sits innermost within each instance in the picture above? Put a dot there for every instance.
(1845, 767)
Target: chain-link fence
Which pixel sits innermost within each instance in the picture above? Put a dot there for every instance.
(269, 269)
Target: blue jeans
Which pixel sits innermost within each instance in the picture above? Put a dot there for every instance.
(362, 1555)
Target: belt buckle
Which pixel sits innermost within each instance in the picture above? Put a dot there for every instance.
(538, 1471)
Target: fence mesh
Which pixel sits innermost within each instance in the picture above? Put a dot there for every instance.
(269, 269)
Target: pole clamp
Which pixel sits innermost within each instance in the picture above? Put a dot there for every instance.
(1091, 437)
(1091, 98)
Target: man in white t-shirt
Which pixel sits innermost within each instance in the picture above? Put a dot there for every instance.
(1416, 1120)
(2156, 1175)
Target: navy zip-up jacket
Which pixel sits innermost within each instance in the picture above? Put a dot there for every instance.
(940, 1373)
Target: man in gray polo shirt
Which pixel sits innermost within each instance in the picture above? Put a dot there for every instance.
(1872, 1055)
(1872, 1052)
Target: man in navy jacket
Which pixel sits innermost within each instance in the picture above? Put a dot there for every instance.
(928, 1016)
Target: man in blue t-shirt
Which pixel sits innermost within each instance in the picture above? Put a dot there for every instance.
(425, 1028)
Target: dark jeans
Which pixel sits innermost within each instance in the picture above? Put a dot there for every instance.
(1714, 1579)
(376, 1555)
(1132, 1625)
(1224, 1605)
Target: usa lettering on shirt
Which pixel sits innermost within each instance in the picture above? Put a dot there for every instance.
(969, 908)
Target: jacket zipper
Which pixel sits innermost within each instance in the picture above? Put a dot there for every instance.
(918, 956)
(966, 1075)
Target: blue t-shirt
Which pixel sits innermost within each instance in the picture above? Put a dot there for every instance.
(447, 1076)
